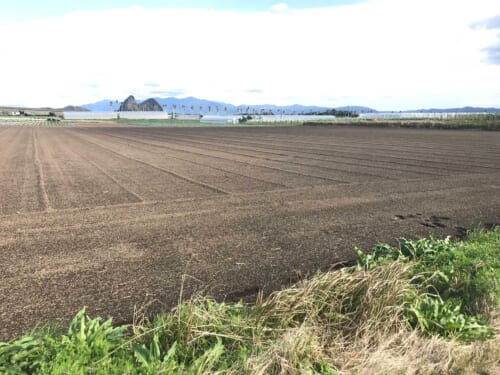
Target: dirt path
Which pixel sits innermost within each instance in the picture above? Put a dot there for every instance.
(127, 211)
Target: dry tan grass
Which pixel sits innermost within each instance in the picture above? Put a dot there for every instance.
(407, 352)
(370, 337)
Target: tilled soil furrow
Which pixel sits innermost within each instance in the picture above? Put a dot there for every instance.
(225, 181)
(347, 142)
(109, 175)
(443, 147)
(32, 198)
(161, 169)
(336, 175)
(333, 155)
(13, 156)
(402, 145)
(394, 153)
(20, 190)
(44, 198)
(348, 168)
(141, 180)
(228, 168)
(70, 180)
(131, 211)
(112, 178)
(230, 164)
(33, 235)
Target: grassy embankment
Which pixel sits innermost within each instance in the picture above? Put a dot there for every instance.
(430, 304)
(478, 121)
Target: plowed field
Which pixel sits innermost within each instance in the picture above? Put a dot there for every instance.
(113, 217)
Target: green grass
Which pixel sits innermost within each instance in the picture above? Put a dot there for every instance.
(428, 304)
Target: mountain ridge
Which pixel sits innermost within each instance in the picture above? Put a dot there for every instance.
(149, 105)
(192, 105)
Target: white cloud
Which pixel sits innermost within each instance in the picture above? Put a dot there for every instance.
(280, 8)
(383, 53)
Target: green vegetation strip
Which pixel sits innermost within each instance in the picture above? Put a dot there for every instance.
(428, 304)
(473, 122)
(31, 121)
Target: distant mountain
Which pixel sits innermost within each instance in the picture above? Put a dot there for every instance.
(69, 108)
(192, 105)
(74, 108)
(150, 105)
(129, 105)
(103, 106)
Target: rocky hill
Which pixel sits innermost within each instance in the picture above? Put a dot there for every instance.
(130, 105)
(150, 105)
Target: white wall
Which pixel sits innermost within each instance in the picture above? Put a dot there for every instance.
(114, 115)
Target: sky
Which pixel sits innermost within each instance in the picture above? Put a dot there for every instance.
(384, 54)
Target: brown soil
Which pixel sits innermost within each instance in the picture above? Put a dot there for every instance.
(112, 217)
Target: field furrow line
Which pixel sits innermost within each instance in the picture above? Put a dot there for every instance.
(403, 144)
(191, 161)
(301, 205)
(161, 169)
(454, 152)
(354, 150)
(29, 201)
(417, 147)
(347, 154)
(8, 144)
(163, 146)
(248, 163)
(11, 180)
(480, 148)
(111, 177)
(325, 178)
(288, 162)
(39, 173)
(297, 154)
(24, 192)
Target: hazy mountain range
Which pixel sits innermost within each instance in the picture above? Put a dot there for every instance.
(192, 105)
(184, 105)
